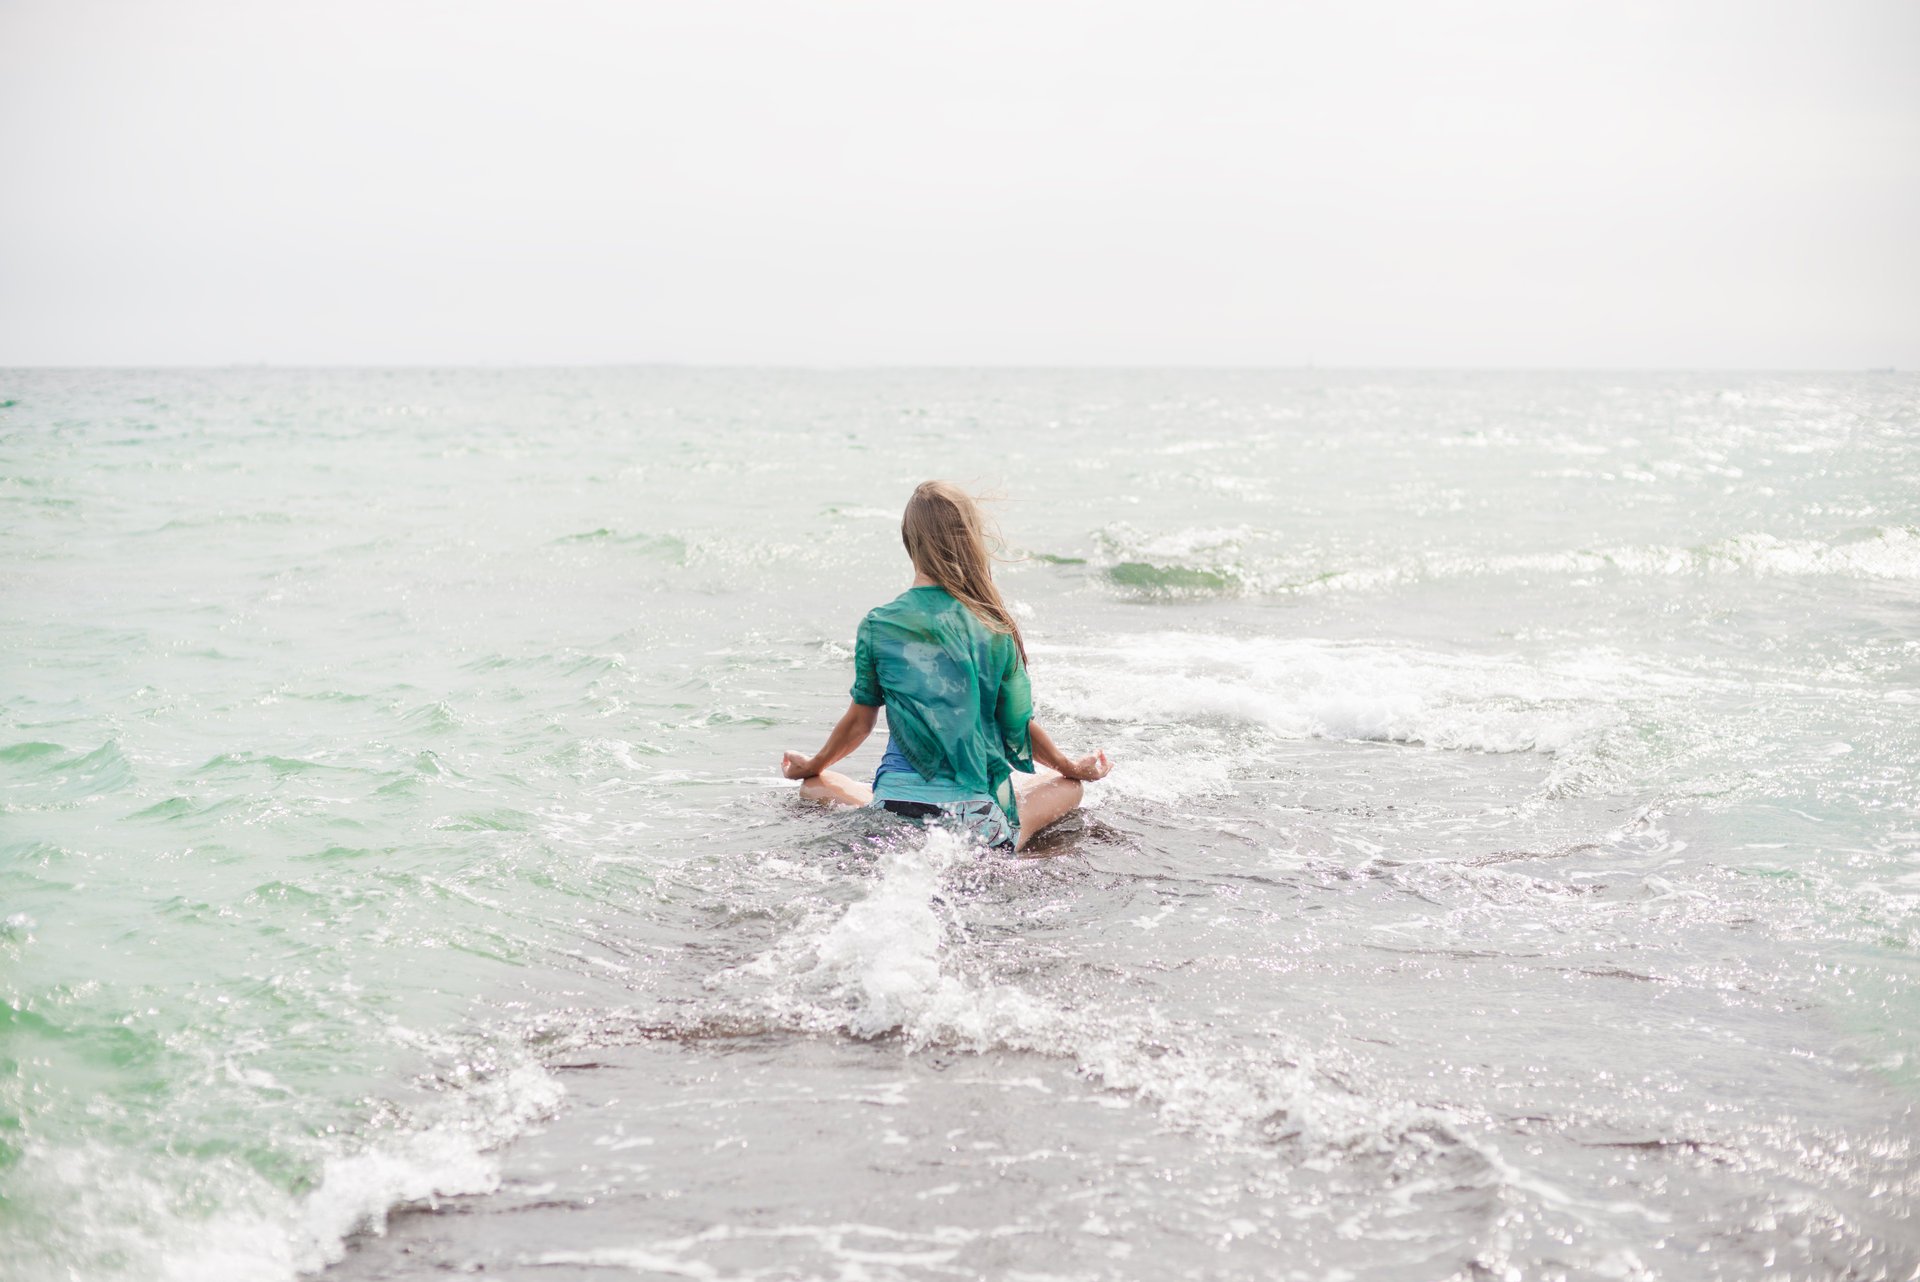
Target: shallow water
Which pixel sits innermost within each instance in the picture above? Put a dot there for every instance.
(1510, 869)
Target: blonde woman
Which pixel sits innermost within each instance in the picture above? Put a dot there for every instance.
(947, 661)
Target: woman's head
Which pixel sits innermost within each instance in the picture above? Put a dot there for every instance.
(947, 539)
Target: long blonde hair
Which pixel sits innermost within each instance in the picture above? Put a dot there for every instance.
(947, 539)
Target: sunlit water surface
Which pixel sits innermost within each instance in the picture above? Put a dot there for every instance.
(1510, 870)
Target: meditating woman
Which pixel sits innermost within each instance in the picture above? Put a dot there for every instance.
(947, 661)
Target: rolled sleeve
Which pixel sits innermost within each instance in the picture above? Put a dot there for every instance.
(1013, 711)
(866, 672)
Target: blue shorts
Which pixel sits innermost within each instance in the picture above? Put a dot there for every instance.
(898, 790)
(980, 820)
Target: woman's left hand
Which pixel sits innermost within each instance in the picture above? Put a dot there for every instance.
(797, 765)
(1088, 769)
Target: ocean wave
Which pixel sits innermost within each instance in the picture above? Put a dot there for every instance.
(887, 965)
(1310, 689)
(57, 772)
(670, 548)
(1210, 562)
(1181, 563)
(1163, 778)
(1891, 553)
(196, 1217)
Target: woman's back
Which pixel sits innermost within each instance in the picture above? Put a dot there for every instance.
(956, 692)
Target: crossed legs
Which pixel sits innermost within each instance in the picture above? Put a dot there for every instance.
(1042, 796)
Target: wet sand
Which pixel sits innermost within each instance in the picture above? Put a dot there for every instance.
(776, 1157)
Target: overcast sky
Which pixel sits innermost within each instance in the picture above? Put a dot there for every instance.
(1406, 184)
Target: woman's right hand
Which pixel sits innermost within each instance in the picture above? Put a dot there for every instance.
(1088, 769)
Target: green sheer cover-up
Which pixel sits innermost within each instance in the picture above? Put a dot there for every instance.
(956, 693)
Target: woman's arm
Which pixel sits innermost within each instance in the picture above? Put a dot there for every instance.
(1047, 753)
(850, 733)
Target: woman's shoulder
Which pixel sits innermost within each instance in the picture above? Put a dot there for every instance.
(914, 602)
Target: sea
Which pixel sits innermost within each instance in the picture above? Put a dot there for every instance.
(1510, 868)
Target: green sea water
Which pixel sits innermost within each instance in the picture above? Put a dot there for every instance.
(1510, 867)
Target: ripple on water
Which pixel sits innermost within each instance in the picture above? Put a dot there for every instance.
(67, 777)
(500, 819)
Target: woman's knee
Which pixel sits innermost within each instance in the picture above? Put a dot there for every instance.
(819, 787)
(1055, 798)
(833, 789)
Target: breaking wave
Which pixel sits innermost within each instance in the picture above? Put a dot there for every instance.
(1203, 563)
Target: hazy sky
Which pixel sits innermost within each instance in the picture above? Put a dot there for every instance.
(1460, 184)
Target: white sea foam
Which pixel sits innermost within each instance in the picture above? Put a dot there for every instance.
(1886, 554)
(1165, 779)
(1210, 561)
(137, 1218)
(853, 1246)
(1178, 543)
(1331, 690)
(1891, 553)
(890, 964)
(448, 1157)
(876, 968)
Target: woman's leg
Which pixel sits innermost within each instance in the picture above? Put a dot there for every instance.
(835, 789)
(1043, 797)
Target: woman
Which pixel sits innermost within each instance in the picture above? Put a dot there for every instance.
(947, 660)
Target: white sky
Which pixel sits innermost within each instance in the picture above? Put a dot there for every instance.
(1430, 184)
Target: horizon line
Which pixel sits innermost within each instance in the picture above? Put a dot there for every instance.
(905, 366)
